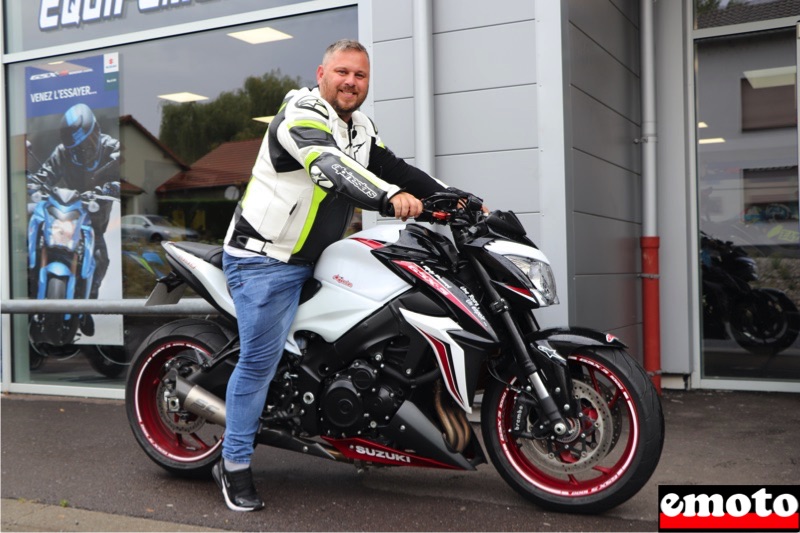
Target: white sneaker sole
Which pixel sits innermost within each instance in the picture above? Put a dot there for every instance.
(232, 506)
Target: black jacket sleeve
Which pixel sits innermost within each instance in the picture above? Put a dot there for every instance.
(393, 169)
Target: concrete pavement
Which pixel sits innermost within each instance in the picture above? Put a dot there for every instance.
(72, 465)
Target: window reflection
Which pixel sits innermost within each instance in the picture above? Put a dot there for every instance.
(713, 13)
(46, 23)
(748, 204)
(184, 162)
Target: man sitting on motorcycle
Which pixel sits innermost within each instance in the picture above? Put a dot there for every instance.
(320, 158)
(86, 160)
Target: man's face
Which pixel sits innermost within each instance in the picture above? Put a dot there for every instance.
(344, 81)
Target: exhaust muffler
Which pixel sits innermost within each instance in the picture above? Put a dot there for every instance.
(199, 401)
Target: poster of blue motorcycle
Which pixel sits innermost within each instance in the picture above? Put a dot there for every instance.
(73, 177)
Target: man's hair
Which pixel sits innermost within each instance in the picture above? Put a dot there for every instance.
(343, 45)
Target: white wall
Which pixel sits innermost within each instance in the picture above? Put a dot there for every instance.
(675, 190)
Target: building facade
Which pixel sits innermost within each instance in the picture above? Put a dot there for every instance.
(598, 123)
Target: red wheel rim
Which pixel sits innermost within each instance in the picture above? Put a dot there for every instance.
(180, 437)
(578, 480)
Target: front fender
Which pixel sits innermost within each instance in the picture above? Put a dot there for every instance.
(34, 227)
(551, 348)
(559, 343)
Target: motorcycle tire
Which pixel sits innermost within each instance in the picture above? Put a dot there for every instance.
(57, 328)
(603, 464)
(767, 324)
(107, 360)
(178, 441)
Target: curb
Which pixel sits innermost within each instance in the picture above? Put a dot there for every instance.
(23, 515)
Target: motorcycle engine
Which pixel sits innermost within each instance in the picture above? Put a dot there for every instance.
(355, 400)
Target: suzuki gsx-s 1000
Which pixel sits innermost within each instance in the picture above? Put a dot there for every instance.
(398, 330)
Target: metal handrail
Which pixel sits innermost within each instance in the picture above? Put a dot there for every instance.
(189, 306)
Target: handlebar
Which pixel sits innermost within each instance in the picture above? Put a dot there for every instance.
(39, 190)
(448, 207)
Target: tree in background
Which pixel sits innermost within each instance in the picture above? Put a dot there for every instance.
(191, 130)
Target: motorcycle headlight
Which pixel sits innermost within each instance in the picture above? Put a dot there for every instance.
(541, 276)
(63, 228)
(62, 232)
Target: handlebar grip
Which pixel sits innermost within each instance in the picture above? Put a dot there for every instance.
(387, 210)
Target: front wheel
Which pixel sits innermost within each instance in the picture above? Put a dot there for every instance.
(178, 441)
(110, 361)
(601, 465)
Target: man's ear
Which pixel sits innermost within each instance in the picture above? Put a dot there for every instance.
(320, 71)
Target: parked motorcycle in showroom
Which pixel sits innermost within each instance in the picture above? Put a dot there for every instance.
(763, 321)
(398, 330)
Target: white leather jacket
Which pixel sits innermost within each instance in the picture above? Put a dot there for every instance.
(311, 171)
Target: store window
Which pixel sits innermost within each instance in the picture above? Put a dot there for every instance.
(162, 135)
(747, 157)
(715, 13)
(34, 24)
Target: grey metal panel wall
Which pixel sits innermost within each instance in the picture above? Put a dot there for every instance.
(391, 20)
(611, 251)
(612, 191)
(504, 121)
(485, 94)
(449, 15)
(612, 25)
(472, 65)
(395, 121)
(392, 74)
(606, 166)
(615, 296)
(493, 173)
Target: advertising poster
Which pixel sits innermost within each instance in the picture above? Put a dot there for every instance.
(73, 164)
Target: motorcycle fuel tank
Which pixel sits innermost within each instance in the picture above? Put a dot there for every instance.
(354, 284)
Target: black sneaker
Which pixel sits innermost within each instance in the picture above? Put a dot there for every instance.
(237, 488)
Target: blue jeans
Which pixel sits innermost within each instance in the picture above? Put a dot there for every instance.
(266, 293)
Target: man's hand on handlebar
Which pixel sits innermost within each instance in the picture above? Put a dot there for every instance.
(405, 206)
(439, 208)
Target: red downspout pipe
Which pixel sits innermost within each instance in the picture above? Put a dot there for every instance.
(651, 320)
(651, 327)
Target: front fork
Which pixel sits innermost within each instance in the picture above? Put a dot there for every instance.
(552, 414)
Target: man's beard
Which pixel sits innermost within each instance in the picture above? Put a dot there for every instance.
(340, 110)
(346, 109)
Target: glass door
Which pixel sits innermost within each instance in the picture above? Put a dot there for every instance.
(747, 157)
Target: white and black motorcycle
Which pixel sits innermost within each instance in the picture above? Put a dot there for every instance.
(396, 333)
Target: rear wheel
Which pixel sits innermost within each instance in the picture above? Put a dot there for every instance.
(766, 324)
(617, 445)
(178, 441)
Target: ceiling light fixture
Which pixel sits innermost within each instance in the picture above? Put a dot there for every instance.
(183, 97)
(260, 35)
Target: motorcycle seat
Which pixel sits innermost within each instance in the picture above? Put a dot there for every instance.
(210, 253)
